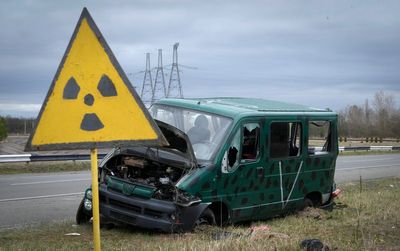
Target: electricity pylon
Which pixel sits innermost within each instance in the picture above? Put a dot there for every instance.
(174, 85)
(147, 88)
(159, 90)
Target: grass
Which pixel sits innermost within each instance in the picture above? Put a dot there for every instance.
(351, 153)
(43, 167)
(366, 217)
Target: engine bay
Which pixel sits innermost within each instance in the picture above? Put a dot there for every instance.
(138, 170)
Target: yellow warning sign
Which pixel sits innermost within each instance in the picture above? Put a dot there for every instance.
(91, 102)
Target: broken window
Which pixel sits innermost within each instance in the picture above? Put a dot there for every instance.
(245, 145)
(233, 156)
(285, 139)
(319, 137)
(250, 146)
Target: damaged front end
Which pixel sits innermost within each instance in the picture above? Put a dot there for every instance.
(137, 186)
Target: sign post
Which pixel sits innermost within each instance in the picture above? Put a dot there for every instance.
(95, 199)
(91, 104)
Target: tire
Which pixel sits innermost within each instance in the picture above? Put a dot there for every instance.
(207, 217)
(307, 203)
(81, 217)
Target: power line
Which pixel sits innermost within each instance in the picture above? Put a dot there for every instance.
(159, 90)
(147, 87)
(174, 86)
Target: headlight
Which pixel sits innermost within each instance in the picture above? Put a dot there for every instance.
(87, 204)
(88, 193)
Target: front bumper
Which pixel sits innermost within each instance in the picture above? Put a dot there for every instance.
(147, 213)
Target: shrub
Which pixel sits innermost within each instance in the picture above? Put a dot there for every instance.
(3, 131)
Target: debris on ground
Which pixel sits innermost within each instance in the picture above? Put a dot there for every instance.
(255, 232)
(72, 234)
(225, 235)
(313, 245)
(264, 232)
(310, 212)
(260, 228)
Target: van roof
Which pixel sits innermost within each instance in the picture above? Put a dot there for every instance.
(233, 106)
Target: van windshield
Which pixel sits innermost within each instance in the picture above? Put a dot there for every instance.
(205, 130)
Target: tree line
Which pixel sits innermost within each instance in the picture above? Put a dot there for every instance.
(3, 129)
(379, 117)
(13, 125)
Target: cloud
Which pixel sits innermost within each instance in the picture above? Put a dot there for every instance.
(328, 53)
(20, 107)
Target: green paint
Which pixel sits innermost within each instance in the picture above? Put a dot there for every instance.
(259, 188)
(129, 188)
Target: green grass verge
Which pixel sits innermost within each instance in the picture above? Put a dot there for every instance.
(366, 217)
(44, 167)
(351, 153)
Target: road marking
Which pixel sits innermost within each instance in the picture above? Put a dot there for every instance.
(10, 177)
(366, 167)
(47, 182)
(41, 197)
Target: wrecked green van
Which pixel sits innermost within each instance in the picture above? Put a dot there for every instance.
(228, 160)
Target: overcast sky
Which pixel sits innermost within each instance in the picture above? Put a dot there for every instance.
(317, 53)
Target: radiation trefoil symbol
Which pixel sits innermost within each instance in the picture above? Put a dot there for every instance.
(87, 96)
(106, 88)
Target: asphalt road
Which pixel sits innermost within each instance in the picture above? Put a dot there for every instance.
(27, 199)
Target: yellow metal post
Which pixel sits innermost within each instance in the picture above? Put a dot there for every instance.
(95, 200)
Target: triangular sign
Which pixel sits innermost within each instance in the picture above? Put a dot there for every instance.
(91, 102)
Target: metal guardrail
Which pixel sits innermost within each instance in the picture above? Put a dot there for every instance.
(15, 158)
(45, 157)
(66, 157)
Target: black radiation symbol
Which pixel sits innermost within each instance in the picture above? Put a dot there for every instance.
(106, 87)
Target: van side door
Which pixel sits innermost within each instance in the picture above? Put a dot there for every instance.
(284, 164)
(240, 178)
(320, 163)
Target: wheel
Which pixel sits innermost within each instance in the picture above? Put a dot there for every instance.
(207, 217)
(81, 217)
(307, 203)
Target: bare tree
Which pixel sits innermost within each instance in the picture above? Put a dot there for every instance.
(382, 119)
(385, 108)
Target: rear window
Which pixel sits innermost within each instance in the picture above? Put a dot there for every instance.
(285, 139)
(319, 137)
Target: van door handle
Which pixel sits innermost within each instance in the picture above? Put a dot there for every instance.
(260, 171)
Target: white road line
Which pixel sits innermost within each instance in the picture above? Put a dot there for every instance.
(366, 167)
(41, 197)
(10, 177)
(47, 182)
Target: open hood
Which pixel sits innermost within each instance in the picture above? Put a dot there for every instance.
(179, 152)
(177, 140)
